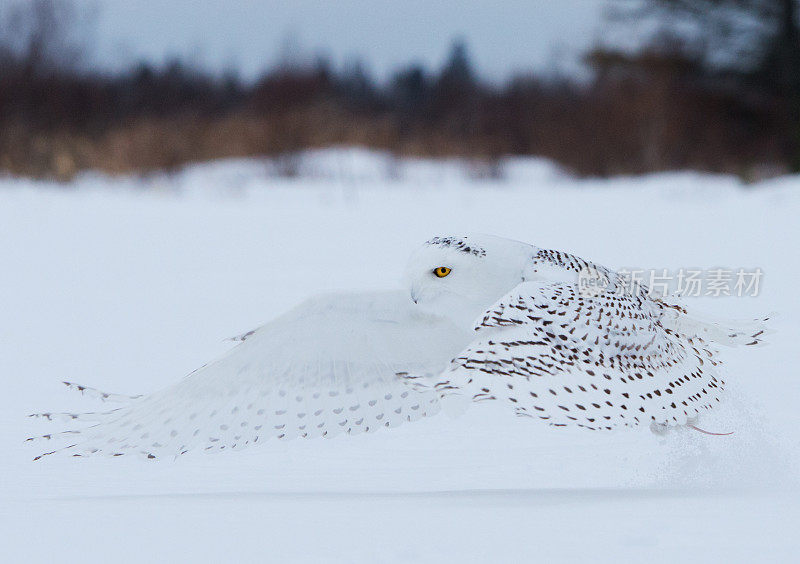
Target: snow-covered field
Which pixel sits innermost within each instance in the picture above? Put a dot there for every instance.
(129, 284)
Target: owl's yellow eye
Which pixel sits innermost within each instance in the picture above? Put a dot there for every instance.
(441, 271)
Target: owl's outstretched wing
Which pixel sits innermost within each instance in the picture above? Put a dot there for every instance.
(327, 367)
(596, 362)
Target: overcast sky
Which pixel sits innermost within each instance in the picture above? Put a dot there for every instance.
(502, 36)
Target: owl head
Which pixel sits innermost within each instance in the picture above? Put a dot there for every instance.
(460, 277)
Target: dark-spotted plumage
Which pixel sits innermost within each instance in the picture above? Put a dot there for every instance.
(618, 357)
(596, 362)
(459, 244)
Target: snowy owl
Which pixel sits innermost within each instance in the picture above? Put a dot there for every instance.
(482, 318)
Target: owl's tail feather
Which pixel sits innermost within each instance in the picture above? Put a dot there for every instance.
(78, 441)
(69, 417)
(97, 394)
(90, 421)
(40, 456)
(52, 436)
(417, 382)
(728, 332)
(698, 429)
(453, 404)
(76, 451)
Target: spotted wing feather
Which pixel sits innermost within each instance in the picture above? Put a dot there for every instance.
(328, 367)
(596, 362)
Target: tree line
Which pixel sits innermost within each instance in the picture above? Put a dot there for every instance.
(717, 99)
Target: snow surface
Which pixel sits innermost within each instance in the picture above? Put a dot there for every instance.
(126, 284)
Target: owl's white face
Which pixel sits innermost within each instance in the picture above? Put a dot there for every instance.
(461, 277)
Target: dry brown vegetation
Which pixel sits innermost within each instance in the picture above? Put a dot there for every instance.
(658, 109)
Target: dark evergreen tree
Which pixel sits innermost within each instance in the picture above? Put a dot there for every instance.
(756, 40)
